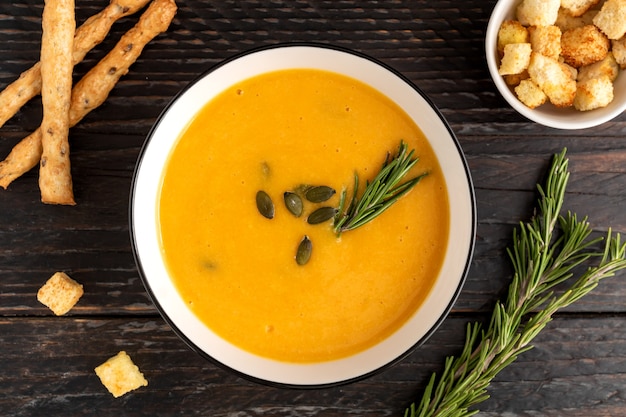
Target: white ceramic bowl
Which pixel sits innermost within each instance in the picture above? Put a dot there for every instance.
(145, 235)
(547, 114)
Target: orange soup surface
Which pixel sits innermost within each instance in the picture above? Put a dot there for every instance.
(236, 269)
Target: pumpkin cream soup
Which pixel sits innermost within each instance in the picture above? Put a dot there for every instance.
(235, 222)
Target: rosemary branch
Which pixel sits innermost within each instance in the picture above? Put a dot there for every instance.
(545, 252)
(384, 190)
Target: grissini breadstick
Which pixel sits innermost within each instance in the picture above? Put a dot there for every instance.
(93, 89)
(57, 40)
(89, 34)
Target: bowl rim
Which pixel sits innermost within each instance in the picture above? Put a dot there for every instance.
(553, 117)
(266, 381)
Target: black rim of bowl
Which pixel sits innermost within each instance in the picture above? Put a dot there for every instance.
(263, 381)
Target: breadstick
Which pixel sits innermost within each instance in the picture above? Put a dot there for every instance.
(89, 34)
(57, 40)
(94, 87)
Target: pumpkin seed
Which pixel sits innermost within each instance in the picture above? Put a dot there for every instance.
(264, 204)
(303, 254)
(319, 193)
(293, 203)
(321, 215)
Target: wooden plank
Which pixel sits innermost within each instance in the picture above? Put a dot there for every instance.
(47, 369)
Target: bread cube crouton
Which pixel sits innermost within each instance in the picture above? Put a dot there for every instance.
(60, 293)
(593, 93)
(584, 46)
(618, 47)
(546, 40)
(553, 78)
(530, 94)
(607, 67)
(120, 375)
(565, 21)
(611, 19)
(515, 59)
(573, 72)
(515, 79)
(578, 7)
(538, 12)
(511, 31)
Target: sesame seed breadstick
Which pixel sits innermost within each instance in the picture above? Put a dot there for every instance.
(57, 40)
(89, 34)
(94, 87)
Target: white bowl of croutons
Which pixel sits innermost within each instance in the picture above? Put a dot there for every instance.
(560, 63)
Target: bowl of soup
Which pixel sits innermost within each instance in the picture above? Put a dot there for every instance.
(237, 201)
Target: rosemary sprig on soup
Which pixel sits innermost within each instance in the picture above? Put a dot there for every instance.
(380, 194)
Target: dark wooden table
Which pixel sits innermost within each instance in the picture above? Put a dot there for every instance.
(578, 367)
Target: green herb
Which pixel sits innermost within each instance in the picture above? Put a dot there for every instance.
(378, 195)
(545, 253)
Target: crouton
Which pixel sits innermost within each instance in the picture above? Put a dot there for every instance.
(515, 79)
(546, 40)
(607, 67)
(511, 31)
(584, 46)
(578, 7)
(60, 293)
(530, 94)
(553, 78)
(573, 72)
(515, 59)
(120, 375)
(593, 93)
(565, 21)
(611, 19)
(619, 51)
(538, 12)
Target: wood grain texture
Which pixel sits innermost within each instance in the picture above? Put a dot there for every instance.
(575, 369)
(46, 362)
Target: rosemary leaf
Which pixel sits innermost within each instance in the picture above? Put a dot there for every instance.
(546, 250)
